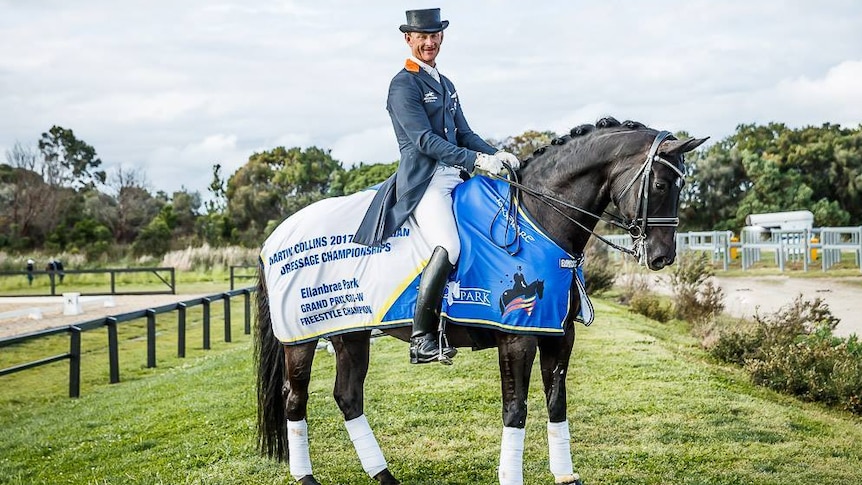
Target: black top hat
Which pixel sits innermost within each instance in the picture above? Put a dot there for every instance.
(427, 20)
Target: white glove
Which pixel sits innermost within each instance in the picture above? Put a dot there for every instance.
(489, 163)
(509, 158)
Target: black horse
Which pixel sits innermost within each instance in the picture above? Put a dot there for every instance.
(566, 187)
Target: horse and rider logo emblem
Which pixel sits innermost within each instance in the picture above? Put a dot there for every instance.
(521, 296)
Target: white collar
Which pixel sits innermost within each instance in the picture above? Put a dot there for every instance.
(425, 67)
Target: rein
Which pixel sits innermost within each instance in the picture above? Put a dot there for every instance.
(636, 227)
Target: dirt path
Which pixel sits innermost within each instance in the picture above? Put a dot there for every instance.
(766, 294)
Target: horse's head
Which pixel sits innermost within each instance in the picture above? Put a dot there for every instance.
(637, 168)
(646, 187)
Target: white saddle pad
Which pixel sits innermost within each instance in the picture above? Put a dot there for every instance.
(320, 283)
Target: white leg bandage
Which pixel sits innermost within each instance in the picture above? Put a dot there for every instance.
(559, 451)
(297, 446)
(511, 471)
(366, 445)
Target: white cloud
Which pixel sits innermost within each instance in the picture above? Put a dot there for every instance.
(190, 166)
(175, 87)
(288, 140)
(374, 145)
(838, 93)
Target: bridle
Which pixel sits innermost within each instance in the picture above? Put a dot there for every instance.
(636, 227)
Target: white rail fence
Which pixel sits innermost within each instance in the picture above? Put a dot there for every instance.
(823, 247)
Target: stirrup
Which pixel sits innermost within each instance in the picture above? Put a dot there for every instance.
(443, 343)
(434, 352)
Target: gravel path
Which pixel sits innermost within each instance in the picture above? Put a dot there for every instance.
(746, 295)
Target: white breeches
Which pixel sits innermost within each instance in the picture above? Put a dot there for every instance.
(434, 217)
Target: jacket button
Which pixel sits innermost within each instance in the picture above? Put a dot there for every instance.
(445, 130)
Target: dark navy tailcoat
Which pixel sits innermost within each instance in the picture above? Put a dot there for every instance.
(431, 129)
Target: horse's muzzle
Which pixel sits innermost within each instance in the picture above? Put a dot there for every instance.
(660, 262)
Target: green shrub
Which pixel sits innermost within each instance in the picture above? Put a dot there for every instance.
(780, 329)
(154, 239)
(794, 351)
(651, 306)
(803, 317)
(696, 296)
(632, 283)
(814, 368)
(738, 345)
(599, 275)
(847, 375)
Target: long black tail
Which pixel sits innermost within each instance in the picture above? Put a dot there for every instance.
(269, 357)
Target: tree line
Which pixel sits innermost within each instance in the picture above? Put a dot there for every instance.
(55, 196)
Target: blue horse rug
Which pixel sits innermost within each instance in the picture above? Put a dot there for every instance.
(511, 276)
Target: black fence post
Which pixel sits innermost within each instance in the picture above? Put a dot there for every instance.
(151, 338)
(247, 298)
(226, 298)
(181, 330)
(206, 303)
(75, 362)
(53, 286)
(113, 283)
(111, 322)
(113, 350)
(173, 281)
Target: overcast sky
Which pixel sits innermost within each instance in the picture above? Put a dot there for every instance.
(173, 87)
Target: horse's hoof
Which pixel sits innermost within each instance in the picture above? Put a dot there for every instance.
(568, 480)
(308, 480)
(386, 478)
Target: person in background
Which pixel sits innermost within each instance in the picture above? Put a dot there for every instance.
(436, 144)
(55, 267)
(31, 265)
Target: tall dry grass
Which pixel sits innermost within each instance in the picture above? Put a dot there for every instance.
(18, 262)
(206, 257)
(191, 258)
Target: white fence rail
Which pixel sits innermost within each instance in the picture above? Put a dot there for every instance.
(806, 246)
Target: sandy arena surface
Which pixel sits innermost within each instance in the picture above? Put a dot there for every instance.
(743, 297)
(49, 310)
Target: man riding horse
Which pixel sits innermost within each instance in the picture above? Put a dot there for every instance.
(436, 145)
(316, 283)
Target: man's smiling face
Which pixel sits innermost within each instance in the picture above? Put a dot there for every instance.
(425, 47)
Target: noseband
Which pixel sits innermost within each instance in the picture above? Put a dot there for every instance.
(636, 227)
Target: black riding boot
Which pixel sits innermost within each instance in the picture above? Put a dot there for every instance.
(424, 342)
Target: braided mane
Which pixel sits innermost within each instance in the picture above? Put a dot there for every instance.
(581, 132)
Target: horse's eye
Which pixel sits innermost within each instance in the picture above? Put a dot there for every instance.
(660, 185)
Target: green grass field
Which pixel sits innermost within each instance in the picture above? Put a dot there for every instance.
(646, 406)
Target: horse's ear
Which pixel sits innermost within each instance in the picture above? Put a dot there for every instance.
(678, 147)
